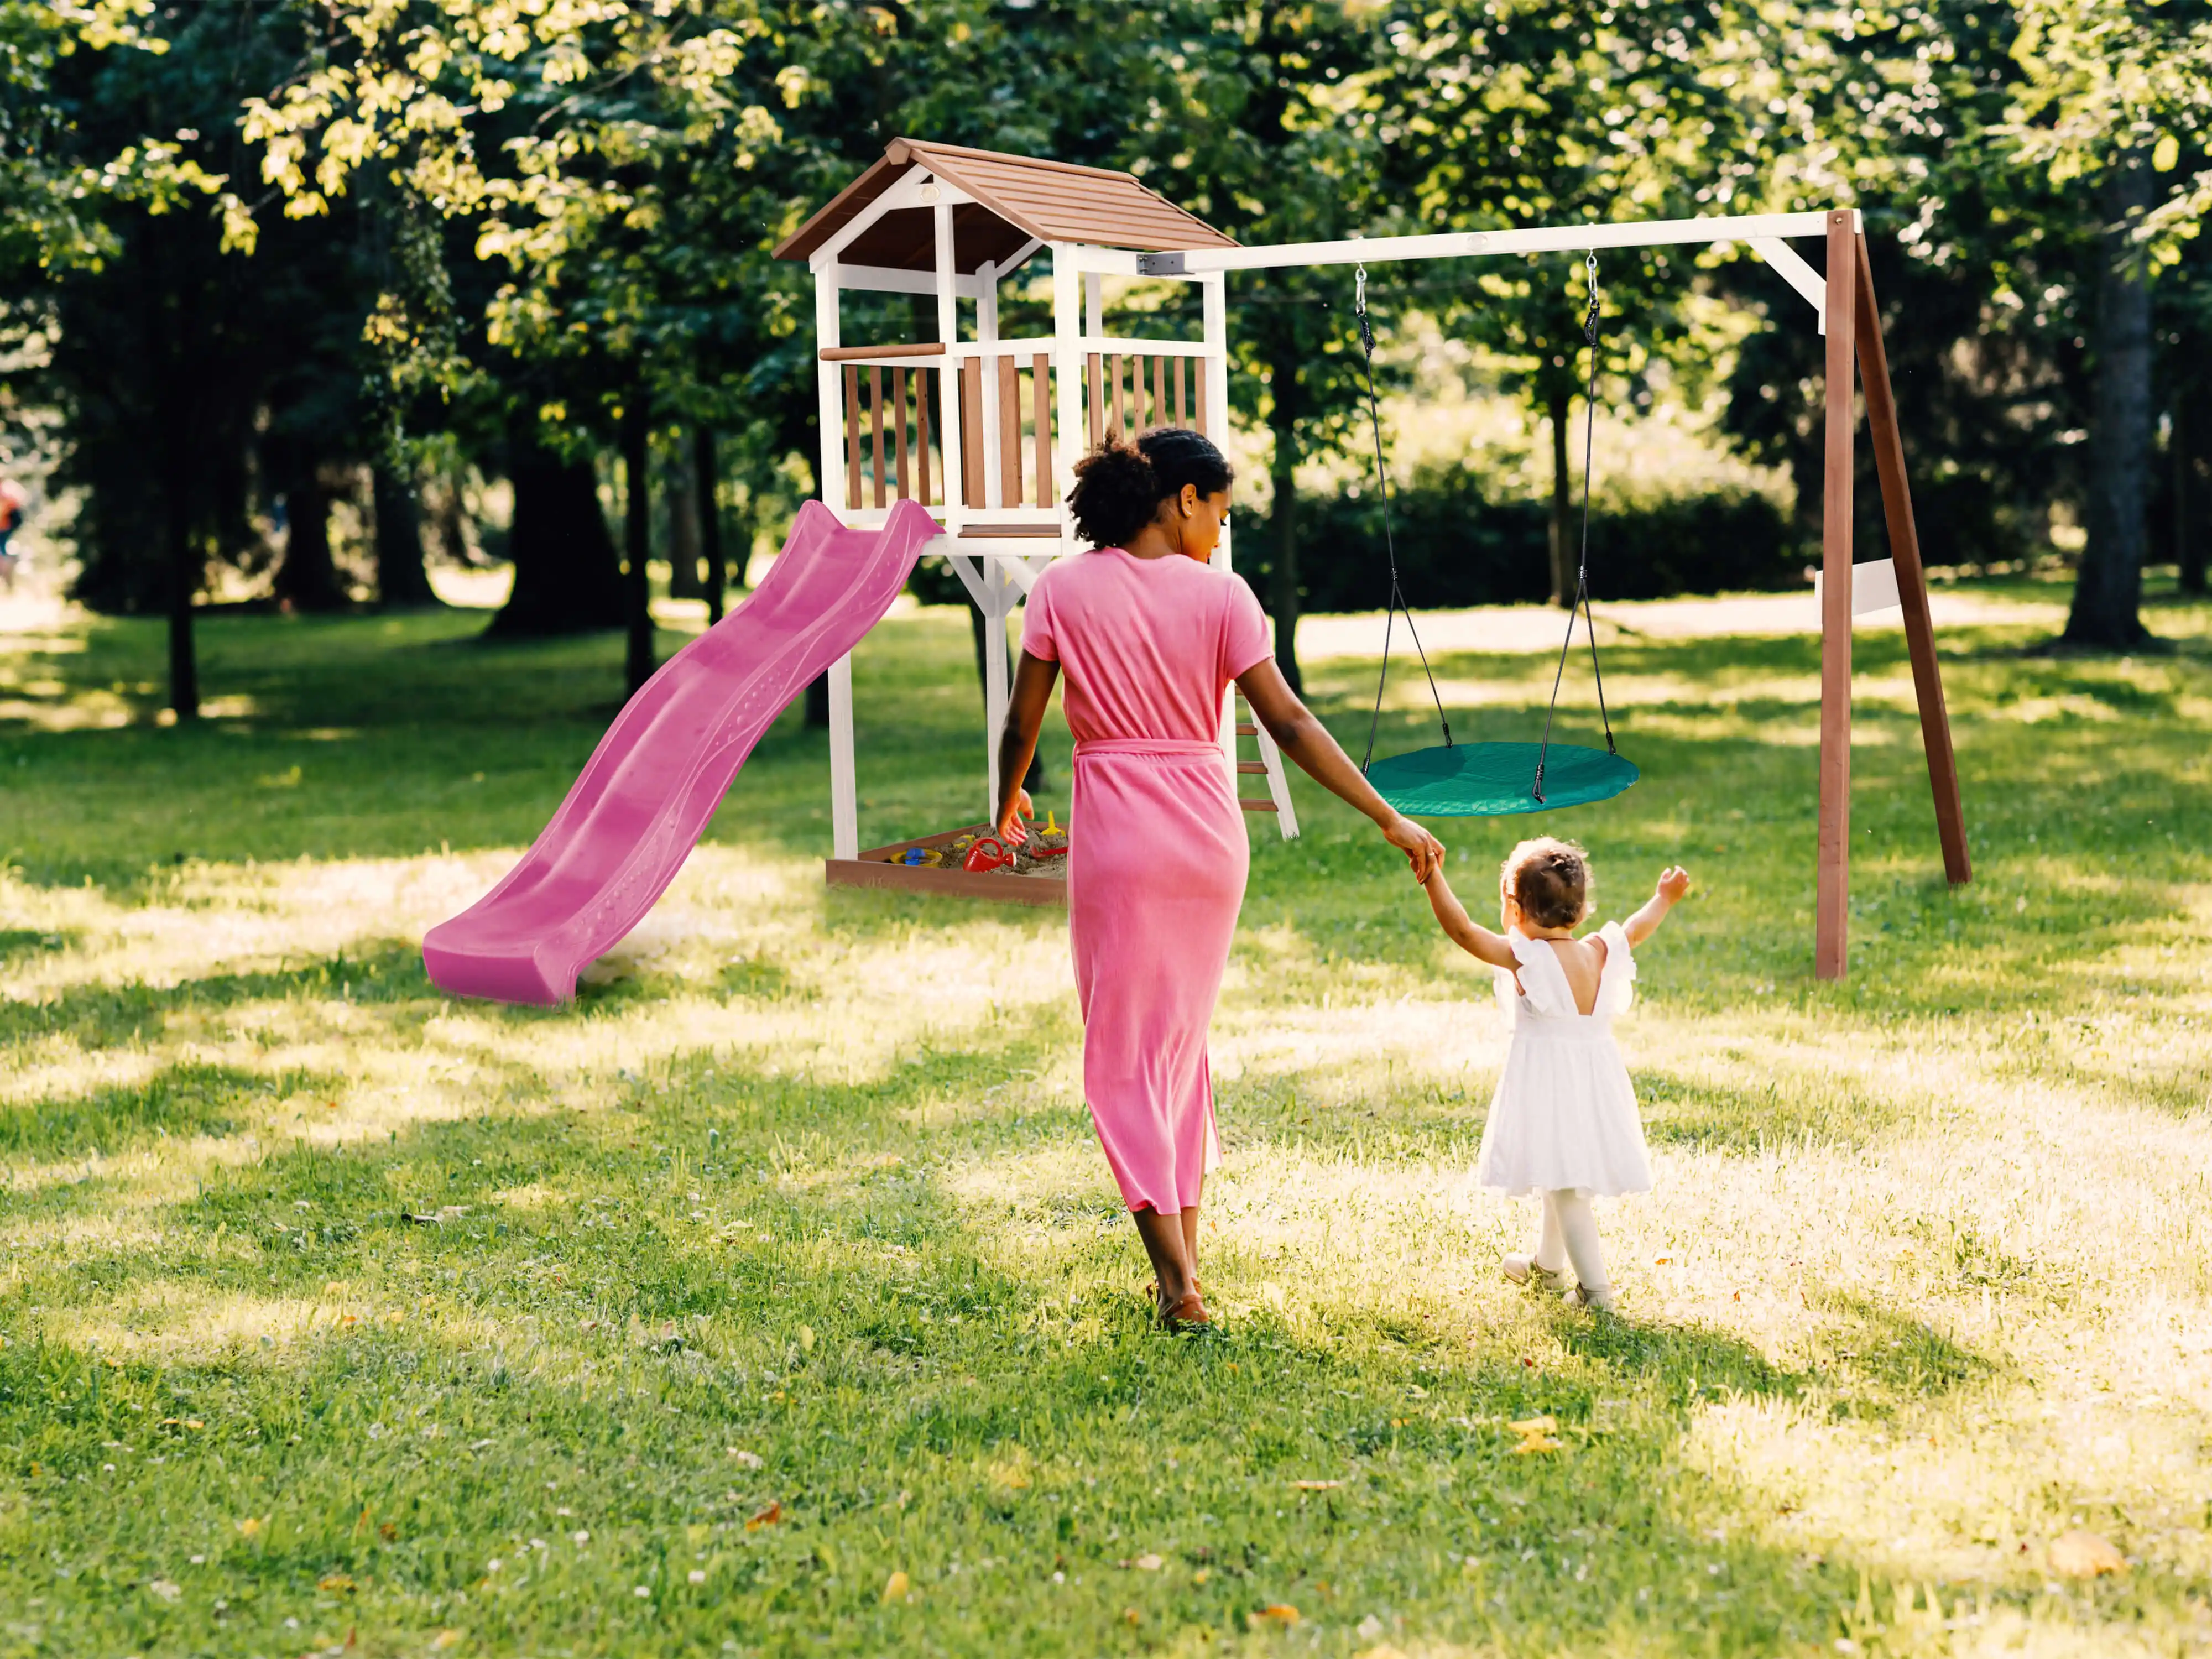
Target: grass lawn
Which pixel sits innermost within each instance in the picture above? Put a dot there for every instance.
(774, 1298)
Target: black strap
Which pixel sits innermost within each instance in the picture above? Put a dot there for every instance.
(1582, 571)
(1389, 550)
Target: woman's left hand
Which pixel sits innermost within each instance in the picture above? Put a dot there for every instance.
(1422, 850)
(1010, 825)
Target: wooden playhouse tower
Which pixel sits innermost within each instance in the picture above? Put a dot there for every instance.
(983, 430)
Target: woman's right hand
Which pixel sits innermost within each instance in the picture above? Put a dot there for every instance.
(1422, 850)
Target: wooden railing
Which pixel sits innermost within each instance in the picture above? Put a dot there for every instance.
(1104, 376)
(894, 395)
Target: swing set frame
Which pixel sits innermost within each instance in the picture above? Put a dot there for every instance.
(951, 224)
(1842, 297)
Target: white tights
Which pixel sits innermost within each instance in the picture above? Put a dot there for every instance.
(1569, 1235)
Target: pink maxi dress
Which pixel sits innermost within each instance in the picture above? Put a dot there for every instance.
(1157, 855)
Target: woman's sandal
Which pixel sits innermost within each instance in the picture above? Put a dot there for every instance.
(1188, 1314)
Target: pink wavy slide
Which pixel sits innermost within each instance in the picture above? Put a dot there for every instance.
(646, 794)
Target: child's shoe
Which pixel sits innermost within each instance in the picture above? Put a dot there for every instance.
(1520, 1268)
(1583, 1296)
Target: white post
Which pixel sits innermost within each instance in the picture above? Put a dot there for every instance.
(986, 334)
(829, 389)
(1094, 304)
(1002, 592)
(948, 379)
(844, 790)
(1068, 374)
(1213, 293)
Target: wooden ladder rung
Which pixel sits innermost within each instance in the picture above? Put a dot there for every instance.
(1251, 766)
(1252, 806)
(1244, 729)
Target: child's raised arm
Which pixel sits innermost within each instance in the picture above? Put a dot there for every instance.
(1471, 936)
(1673, 882)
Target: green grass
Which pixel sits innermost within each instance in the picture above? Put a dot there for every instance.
(679, 1320)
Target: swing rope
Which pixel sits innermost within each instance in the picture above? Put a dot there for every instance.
(1389, 550)
(1581, 570)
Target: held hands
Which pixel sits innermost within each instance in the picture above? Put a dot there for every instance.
(1010, 822)
(1423, 851)
(1674, 883)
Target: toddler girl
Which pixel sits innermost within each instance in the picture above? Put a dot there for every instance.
(1564, 1122)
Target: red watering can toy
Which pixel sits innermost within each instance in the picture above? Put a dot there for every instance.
(989, 853)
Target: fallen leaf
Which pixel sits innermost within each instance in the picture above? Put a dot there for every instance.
(164, 1589)
(749, 1460)
(445, 1638)
(806, 1338)
(337, 1583)
(1145, 1563)
(1129, 1615)
(896, 1586)
(1535, 1443)
(251, 1526)
(1315, 1485)
(1536, 1425)
(1278, 1613)
(388, 1533)
(2079, 1554)
(767, 1518)
(1202, 1575)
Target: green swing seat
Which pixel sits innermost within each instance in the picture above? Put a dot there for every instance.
(1495, 779)
(1490, 779)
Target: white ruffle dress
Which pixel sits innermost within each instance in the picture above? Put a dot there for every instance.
(1564, 1115)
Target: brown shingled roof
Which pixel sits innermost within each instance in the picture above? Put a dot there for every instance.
(1017, 198)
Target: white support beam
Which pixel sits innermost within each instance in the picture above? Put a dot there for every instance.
(948, 383)
(882, 279)
(1545, 238)
(986, 347)
(830, 390)
(1094, 304)
(1790, 266)
(1068, 300)
(918, 189)
(844, 787)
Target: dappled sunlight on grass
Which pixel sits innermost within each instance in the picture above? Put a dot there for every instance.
(797, 1212)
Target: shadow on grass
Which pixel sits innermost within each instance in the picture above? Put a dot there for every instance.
(1702, 1116)
(191, 1098)
(96, 1016)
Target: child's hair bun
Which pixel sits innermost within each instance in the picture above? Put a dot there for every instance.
(1550, 880)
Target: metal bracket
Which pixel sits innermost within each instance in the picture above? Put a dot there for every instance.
(1170, 264)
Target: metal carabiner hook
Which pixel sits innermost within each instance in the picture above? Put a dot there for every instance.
(1359, 290)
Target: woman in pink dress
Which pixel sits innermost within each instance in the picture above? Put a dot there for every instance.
(1150, 638)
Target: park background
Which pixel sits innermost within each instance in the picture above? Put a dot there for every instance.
(773, 1298)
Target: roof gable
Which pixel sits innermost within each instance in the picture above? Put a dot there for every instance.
(1016, 199)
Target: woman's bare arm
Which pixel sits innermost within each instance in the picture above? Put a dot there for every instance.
(1470, 935)
(1307, 741)
(1034, 678)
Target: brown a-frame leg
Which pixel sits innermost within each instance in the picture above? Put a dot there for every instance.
(1855, 339)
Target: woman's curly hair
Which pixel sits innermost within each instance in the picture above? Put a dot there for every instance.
(1119, 486)
(1550, 879)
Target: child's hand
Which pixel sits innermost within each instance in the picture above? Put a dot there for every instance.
(1010, 826)
(1673, 882)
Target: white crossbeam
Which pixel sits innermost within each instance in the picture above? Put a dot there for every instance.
(1543, 239)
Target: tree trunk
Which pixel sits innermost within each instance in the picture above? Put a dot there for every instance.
(1558, 405)
(567, 577)
(637, 539)
(680, 490)
(401, 579)
(185, 570)
(308, 579)
(2108, 593)
(2189, 516)
(706, 475)
(1282, 516)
